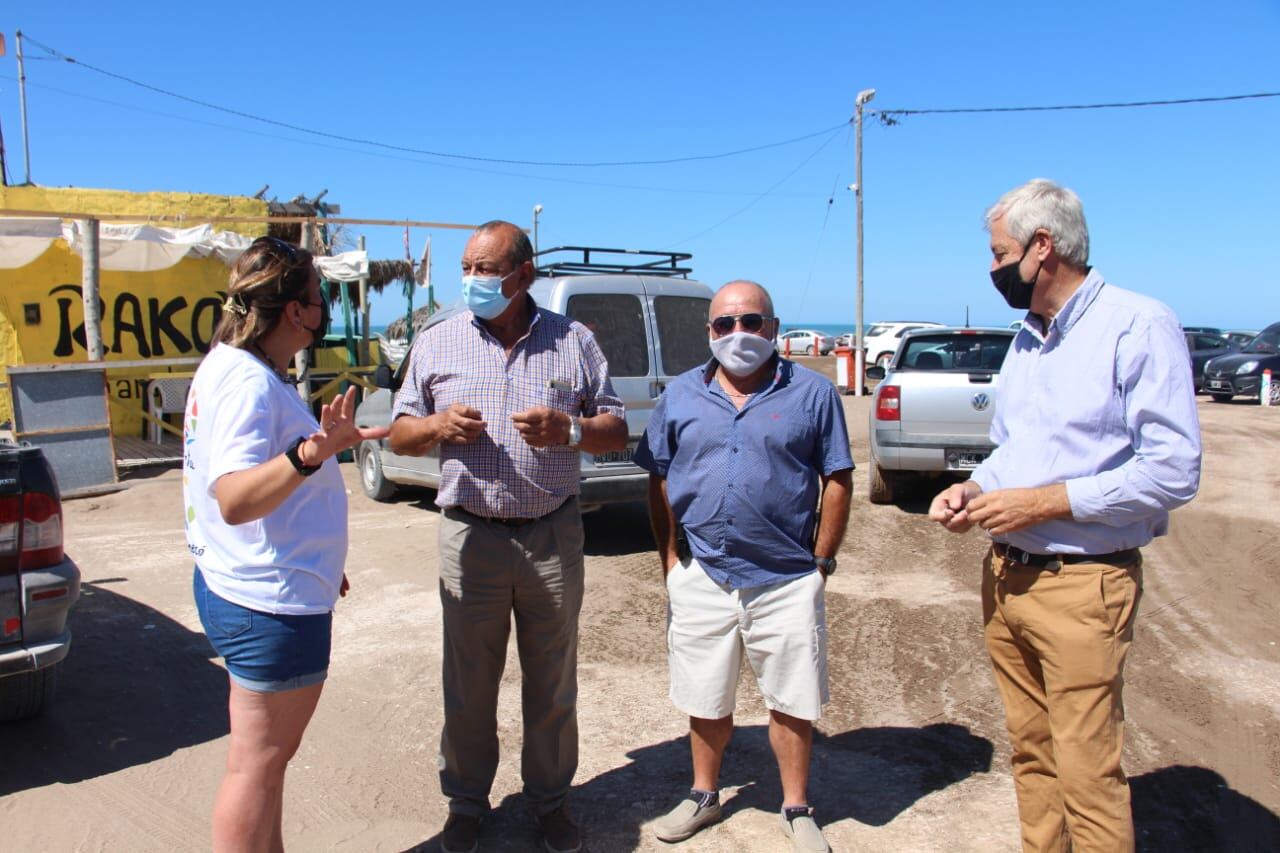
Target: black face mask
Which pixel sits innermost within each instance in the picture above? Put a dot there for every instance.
(1008, 280)
(319, 332)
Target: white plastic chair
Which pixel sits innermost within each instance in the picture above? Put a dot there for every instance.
(167, 396)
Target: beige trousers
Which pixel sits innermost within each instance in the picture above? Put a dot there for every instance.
(1058, 642)
(488, 572)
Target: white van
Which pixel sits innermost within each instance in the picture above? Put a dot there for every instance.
(649, 319)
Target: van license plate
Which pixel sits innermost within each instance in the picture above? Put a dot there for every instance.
(616, 457)
(965, 459)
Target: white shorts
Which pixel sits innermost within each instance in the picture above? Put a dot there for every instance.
(782, 627)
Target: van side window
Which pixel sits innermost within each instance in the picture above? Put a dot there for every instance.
(617, 321)
(682, 329)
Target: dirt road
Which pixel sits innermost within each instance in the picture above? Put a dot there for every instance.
(912, 754)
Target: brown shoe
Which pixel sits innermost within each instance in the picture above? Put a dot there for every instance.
(461, 834)
(559, 832)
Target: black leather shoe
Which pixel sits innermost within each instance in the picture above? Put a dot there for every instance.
(461, 834)
(559, 833)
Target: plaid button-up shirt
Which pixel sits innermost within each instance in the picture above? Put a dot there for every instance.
(557, 364)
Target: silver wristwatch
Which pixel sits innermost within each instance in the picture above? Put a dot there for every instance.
(575, 432)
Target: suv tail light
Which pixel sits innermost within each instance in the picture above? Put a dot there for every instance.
(10, 533)
(41, 530)
(889, 403)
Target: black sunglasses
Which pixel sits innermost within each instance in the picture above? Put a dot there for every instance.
(288, 249)
(725, 323)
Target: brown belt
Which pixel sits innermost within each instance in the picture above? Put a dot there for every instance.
(1026, 558)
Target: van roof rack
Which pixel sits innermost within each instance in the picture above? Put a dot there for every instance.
(580, 261)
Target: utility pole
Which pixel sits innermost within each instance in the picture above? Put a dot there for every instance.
(22, 106)
(537, 210)
(859, 354)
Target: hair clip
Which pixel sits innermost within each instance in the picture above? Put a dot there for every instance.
(236, 305)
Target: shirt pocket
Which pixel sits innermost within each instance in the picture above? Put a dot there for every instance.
(555, 393)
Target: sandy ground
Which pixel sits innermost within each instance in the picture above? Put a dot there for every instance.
(911, 756)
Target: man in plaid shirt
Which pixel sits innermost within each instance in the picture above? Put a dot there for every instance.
(511, 394)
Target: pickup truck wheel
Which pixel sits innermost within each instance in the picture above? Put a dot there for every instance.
(28, 694)
(1221, 398)
(373, 482)
(881, 485)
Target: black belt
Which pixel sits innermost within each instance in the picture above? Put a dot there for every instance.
(1026, 558)
(507, 522)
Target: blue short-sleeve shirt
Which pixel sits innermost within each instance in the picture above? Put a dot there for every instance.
(744, 484)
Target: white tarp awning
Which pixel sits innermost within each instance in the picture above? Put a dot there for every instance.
(147, 248)
(24, 240)
(349, 266)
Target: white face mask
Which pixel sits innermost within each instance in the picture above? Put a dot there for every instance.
(741, 353)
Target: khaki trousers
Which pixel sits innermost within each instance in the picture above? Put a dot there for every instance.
(487, 572)
(1058, 642)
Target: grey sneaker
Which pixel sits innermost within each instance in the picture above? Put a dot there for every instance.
(685, 819)
(559, 832)
(802, 829)
(461, 834)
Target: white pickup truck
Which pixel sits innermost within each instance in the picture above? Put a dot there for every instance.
(932, 409)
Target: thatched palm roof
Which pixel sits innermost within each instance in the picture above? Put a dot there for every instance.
(395, 329)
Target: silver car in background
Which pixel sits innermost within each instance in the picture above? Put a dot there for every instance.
(931, 414)
(651, 323)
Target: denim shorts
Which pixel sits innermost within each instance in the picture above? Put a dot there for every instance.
(265, 652)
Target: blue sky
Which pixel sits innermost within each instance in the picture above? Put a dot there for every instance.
(1181, 201)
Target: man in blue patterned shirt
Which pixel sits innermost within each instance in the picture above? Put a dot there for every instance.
(1097, 440)
(749, 458)
(511, 394)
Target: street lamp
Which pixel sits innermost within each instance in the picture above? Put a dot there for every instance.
(859, 355)
(537, 209)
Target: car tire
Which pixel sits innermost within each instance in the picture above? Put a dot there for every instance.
(1221, 398)
(883, 359)
(880, 486)
(372, 480)
(28, 694)
(813, 350)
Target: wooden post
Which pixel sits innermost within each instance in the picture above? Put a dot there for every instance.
(300, 358)
(365, 359)
(89, 288)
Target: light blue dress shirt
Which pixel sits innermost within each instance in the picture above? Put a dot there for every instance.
(1103, 402)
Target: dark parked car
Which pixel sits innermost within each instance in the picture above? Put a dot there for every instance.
(39, 584)
(1240, 373)
(1204, 347)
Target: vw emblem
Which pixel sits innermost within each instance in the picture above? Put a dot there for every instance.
(981, 401)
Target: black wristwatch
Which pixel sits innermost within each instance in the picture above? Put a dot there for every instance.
(296, 461)
(827, 564)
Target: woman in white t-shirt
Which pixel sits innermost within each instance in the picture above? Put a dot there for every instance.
(266, 518)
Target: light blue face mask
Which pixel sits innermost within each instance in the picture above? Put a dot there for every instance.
(483, 294)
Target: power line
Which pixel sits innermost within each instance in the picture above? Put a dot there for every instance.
(398, 157)
(890, 114)
(428, 152)
(759, 197)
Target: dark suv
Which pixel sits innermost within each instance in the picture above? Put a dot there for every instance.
(38, 583)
